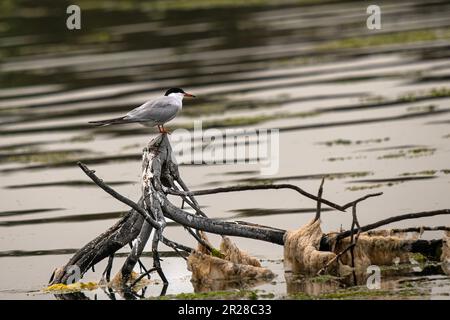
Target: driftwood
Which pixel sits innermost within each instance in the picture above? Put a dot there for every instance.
(147, 217)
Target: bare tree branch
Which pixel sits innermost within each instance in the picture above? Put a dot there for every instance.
(402, 217)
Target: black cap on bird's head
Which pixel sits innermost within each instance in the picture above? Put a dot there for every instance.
(178, 90)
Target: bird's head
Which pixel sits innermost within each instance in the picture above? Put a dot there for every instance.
(178, 92)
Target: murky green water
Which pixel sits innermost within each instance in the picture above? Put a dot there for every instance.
(368, 108)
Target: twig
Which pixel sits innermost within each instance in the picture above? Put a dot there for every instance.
(268, 187)
(319, 197)
(394, 219)
(246, 223)
(352, 245)
(176, 246)
(194, 204)
(107, 272)
(112, 192)
(335, 258)
(147, 273)
(354, 240)
(199, 239)
(350, 204)
(141, 265)
(157, 259)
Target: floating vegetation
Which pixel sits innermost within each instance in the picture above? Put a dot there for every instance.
(421, 151)
(339, 158)
(445, 171)
(419, 173)
(337, 142)
(389, 182)
(83, 137)
(428, 108)
(373, 99)
(333, 176)
(332, 159)
(411, 153)
(73, 287)
(324, 278)
(361, 292)
(371, 186)
(219, 295)
(442, 92)
(347, 142)
(394, 38)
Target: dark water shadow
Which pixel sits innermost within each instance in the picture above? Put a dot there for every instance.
(73, 163)
(256, 212)
(64, 219)
(72, 183)
(318, 176)
(365, 121)
(26, 212)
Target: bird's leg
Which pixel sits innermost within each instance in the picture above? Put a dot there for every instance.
(164, 130)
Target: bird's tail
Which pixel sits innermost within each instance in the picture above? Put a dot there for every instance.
(107, 122)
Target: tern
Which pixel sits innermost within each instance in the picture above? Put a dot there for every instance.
(154, 112)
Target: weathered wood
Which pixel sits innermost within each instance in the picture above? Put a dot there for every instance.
(106, 244)
(136, 251)
(159, 178)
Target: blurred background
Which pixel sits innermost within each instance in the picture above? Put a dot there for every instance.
(369, 109)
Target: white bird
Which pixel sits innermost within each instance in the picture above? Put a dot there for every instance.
(154, 112)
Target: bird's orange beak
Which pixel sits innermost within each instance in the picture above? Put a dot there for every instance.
(189, 95)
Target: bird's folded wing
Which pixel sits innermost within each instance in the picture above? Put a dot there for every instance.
(158, 110)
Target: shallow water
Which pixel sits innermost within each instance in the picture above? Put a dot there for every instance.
(371, 115)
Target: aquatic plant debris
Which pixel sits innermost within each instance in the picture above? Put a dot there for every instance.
(73, 287)
(380, 247)
(301, 250)
(233, 264)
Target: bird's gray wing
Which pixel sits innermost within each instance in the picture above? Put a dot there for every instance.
(159, 110)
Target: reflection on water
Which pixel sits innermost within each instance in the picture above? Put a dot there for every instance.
(367, 109)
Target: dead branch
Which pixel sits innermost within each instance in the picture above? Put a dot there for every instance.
(319, 197)
(416, 229)
(270, 187)
(108, 189)
(393, 219)
(160, 177)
